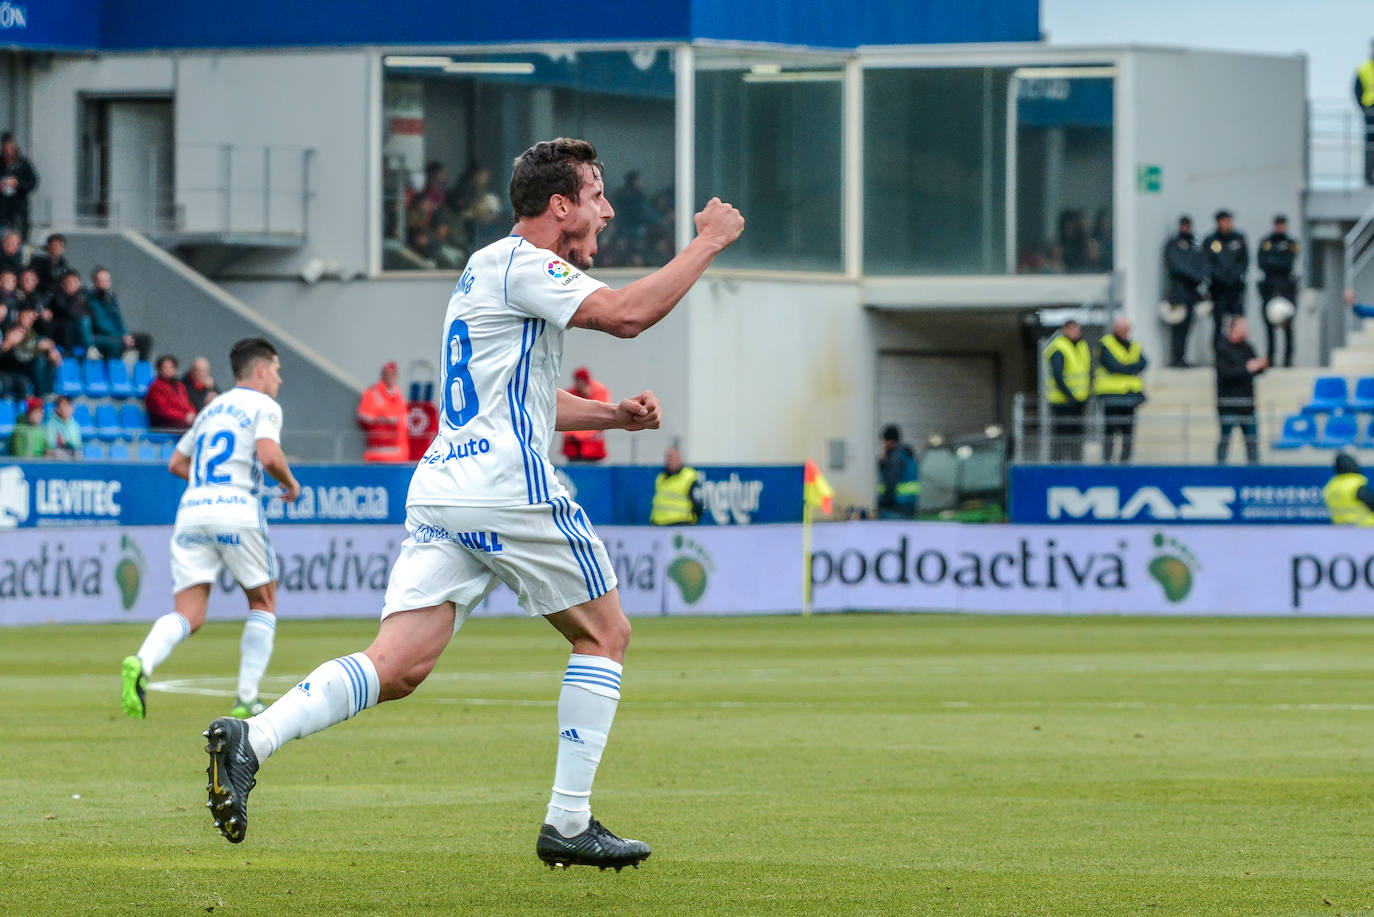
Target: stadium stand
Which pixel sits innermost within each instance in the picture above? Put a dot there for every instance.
(1339, 432)
(1298, 430)
(1329, 393)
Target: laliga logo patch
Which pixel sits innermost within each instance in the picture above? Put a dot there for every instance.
(561, 271)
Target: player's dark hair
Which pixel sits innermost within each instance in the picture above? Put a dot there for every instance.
(549, 168)
(248, 351)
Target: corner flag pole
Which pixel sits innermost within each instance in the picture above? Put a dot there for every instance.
(806, 558)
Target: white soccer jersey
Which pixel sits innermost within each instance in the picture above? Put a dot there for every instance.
(502, 349)
(227, 480)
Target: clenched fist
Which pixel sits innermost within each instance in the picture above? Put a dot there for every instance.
(719, 223)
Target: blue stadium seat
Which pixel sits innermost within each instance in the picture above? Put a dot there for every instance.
(8, 416)
(69, 379)
(121, 383)
(94, 450)
(107, 424)
(143, 377)
(97, 383)
(148, 452)
(134, 419)
(1366, 438)
(81, 413)
(119, 452)
(1329, 393)
(1298, 430)
(1339, 432)
(1363, 399)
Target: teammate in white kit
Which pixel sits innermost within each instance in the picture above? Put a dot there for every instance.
(220, 523)
(485, 507)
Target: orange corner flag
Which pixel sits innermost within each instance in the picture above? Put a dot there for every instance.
(816, 490)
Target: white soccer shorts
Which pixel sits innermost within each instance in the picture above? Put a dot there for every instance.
(200, 552)
(546, 553)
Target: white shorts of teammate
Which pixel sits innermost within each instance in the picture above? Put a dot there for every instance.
(200, 552)
(546, 553)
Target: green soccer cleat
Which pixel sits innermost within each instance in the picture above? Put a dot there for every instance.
(133, 698)
(243, 710)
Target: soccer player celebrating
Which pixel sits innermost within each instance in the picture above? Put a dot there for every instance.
(485, 506)
(220, 523)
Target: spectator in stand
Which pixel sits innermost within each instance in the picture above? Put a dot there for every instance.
(168, 403)
(71, 317)
(51, 263)
(382, 415)
(29, 439)
(108, 331)
(63, 432)
(30, 291)
(586, 445)
(9, 297)
(12, 252)
(633, 211)
(1237, 367)
(1187, 266)
(17, 181)
(478, 208)
(1364, 97)
(28, 359)
(1277, 253)
(1075, 241)
(200, 385)
(1067, 386)
(1228, 259)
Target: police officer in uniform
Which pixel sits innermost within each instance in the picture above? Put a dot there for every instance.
(1118, 385)
(1228, 259)
(677, 495)
(1347, 494)
(899, 480)
(1068, 365)
(1278, 252)
(1187, 267)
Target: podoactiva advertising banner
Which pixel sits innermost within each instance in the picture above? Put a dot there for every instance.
(1126, 569)
(107, 573)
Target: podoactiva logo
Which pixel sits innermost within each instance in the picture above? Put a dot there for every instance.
(1173, 566)
(690, 569)
(129, 572)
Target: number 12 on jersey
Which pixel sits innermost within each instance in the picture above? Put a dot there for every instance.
(225, 440)
(460, 393)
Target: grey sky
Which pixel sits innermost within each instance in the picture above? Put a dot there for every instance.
(1334, 34)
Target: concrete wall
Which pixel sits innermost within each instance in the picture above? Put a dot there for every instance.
(1228, 131)
(188, 316)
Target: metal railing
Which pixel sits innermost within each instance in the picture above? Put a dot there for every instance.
(1186, 437)
(191, 188)
(1336, 145)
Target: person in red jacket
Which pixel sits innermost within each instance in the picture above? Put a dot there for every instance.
(169, 404)
(382, 414)
(586, 445)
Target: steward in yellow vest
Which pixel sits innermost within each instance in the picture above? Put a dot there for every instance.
(1348, 496)
(1364, 95)
(1068, 382)
(677, 499)
(1119, 387)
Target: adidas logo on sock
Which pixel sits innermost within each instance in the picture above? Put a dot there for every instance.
(572, 736)
(305, 686)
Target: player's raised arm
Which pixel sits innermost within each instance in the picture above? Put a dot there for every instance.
(638, 413)
(273, 461)
(628, 311)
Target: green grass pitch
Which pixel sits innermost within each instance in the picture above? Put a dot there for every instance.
(854, 764)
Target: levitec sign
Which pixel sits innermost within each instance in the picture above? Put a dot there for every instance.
(1066, 494)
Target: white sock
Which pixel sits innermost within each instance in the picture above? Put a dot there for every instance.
(255, 649)
(334, 692)
(167, 632)
(586, 709)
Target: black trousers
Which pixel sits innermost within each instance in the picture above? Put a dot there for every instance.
(1066, 432)
(1369, 146)
(1244, 418)
(1178, 334)
(1118, 420)
(1268, 289)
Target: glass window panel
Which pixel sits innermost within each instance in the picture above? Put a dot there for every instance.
(768, 140)
(453, 125)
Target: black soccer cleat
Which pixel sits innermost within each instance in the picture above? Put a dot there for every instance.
(231, 770)
(595, 846)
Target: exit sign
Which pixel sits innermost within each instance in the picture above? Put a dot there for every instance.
(1149, 179)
